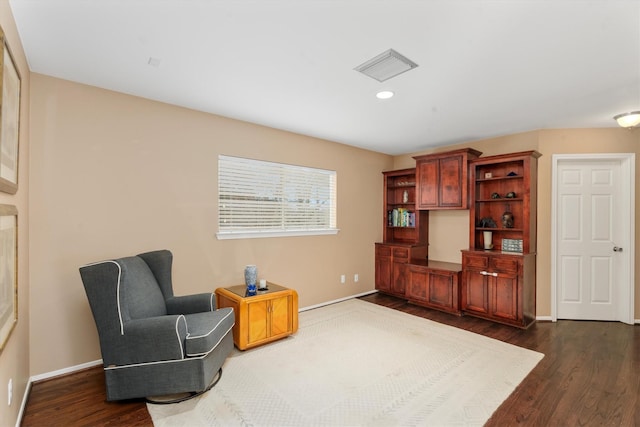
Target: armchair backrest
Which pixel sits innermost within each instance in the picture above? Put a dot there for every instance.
(140, 295)
(127, 288)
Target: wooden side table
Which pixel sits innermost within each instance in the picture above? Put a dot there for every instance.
(267, 316)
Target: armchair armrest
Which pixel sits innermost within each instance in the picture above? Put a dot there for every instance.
(189, 304)
(150, 339)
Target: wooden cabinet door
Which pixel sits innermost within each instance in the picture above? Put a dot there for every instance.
(475, 296)
(433, 288)
(442, 183)
(383, 272)
(417, 284)
(257, 321)
(280, 316)
(451, 187)
(399, 282)
(504, 297)
(443, 289)
(427, 181)
(399, 260)
(269, 319)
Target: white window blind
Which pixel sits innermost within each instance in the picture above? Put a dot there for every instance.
(265, 199)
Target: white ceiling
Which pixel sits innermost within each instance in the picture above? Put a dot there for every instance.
(486, 68)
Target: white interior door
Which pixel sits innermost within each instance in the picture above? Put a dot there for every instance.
(593, 239)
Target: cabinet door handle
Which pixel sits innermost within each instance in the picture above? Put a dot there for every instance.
(486, 273)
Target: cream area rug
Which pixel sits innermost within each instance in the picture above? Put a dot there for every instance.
(355, 363)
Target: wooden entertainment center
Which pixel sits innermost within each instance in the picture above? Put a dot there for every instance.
(496, 279)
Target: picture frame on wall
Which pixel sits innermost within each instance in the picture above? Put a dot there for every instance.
(9, 119)
(8, 271)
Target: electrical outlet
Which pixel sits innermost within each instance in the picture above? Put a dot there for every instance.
(343, 278)
(356, 277)
(10, 391)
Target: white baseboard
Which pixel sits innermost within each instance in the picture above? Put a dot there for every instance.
(23, 405)
(64, 371)
(322, 304)
(550, 319)
(46, 376)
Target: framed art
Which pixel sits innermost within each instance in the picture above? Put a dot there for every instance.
(8, 271)
(9, 120)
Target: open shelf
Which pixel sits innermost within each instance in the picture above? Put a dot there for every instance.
(401, 218)
(492, 179)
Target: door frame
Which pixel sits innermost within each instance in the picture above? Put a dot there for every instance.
(627, 177)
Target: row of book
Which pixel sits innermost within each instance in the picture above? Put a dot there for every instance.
(401, 217)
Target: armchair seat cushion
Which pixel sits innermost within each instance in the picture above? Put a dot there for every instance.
(206, 330)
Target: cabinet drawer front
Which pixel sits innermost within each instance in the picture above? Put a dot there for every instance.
(400, 253)
(504, 264)
(476, 261)
(383, 250)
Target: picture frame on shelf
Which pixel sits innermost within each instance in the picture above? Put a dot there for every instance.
(9, 119)
(8, 271)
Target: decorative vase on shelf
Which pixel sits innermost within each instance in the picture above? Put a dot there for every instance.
(487, 239)
(250, 278)
(507, 218)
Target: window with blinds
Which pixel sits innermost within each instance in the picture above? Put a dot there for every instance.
(266, 199)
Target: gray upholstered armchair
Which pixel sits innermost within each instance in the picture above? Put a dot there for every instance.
(154, 343)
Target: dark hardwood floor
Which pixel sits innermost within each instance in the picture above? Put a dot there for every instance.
(590, 376)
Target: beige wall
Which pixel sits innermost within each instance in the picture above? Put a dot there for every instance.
(14, 358)
(115, 175)
(449, 231)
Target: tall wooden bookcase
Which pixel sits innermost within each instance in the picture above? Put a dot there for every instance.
(499, 279)
(405, 232)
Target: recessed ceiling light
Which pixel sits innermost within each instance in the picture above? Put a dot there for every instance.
(384, 94)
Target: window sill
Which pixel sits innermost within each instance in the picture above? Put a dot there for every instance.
(228, 235)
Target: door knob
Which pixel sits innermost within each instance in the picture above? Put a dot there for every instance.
(617, 249)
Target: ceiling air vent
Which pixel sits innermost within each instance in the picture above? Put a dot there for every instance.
(386, 65)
